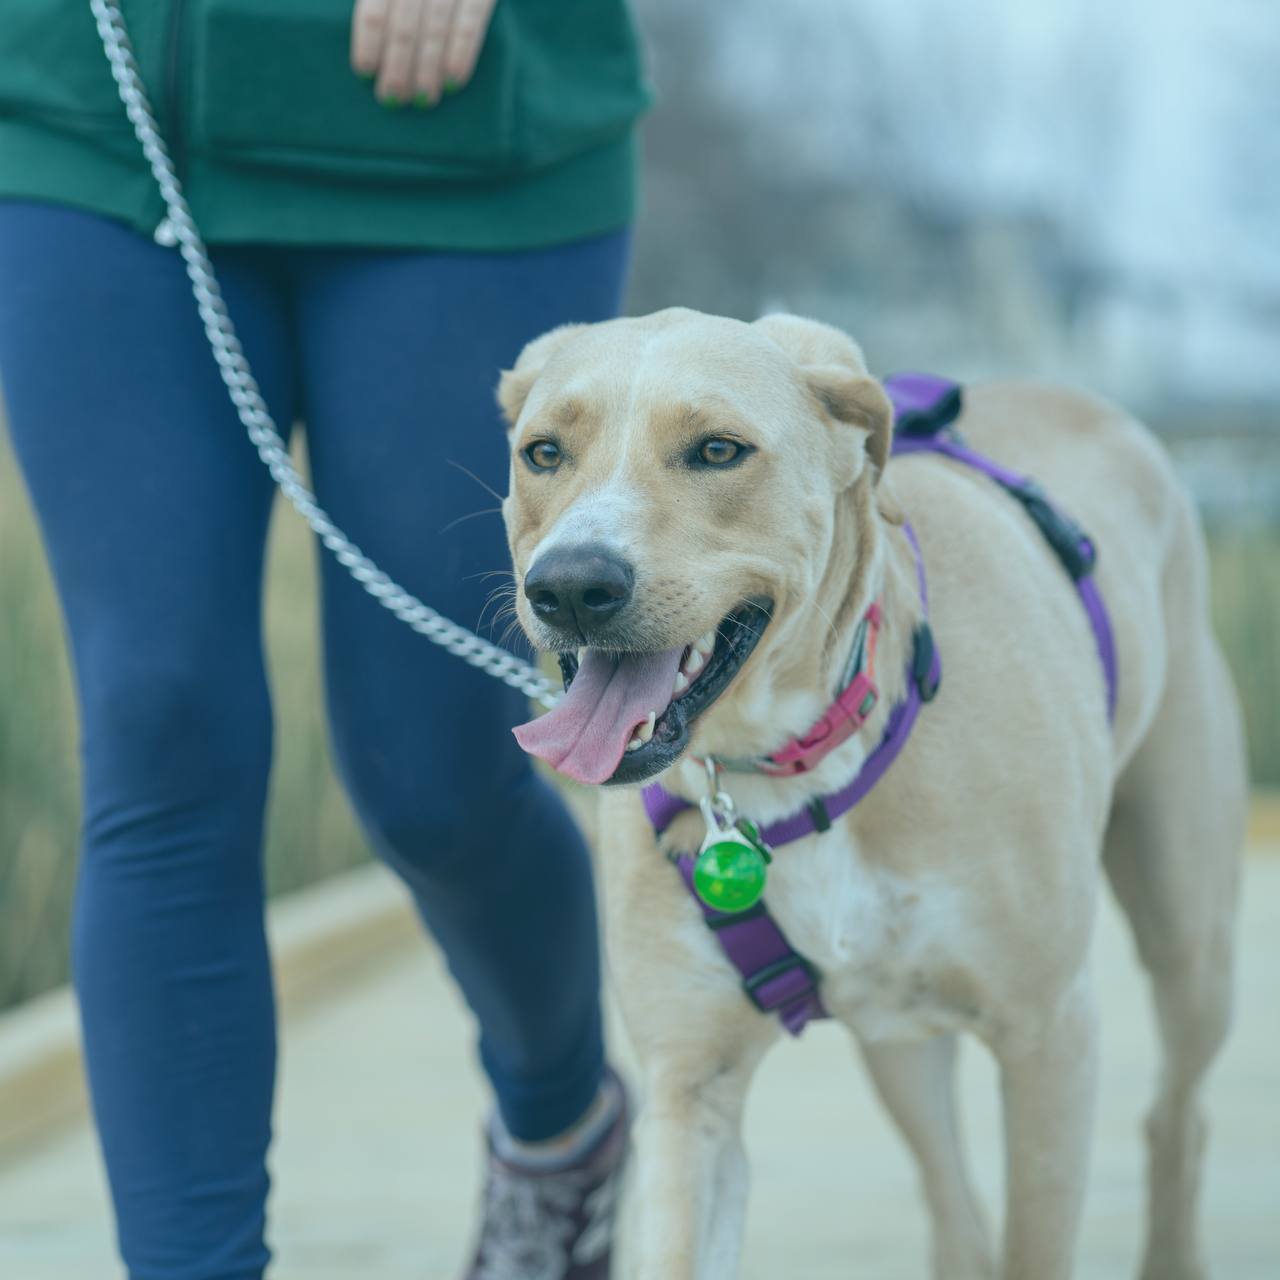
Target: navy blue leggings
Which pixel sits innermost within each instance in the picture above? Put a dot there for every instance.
(154, 510)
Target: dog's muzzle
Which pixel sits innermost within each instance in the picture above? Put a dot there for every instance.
(626, 717)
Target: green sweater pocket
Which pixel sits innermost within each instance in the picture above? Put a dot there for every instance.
(273, 86)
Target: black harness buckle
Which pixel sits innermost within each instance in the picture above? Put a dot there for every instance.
(766, 975)
(922, 664)
(933, 420)
(818, 812)
(1066, 538)
(728, 920)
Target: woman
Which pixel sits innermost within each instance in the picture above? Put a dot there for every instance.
(382, 265)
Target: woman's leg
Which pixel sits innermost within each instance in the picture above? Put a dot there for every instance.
(400, 355)
(154, 511)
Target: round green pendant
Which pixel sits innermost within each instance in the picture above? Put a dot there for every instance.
(729, 875)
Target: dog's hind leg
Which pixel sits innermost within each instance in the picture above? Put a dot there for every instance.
(916, 1083)
(1172, 853)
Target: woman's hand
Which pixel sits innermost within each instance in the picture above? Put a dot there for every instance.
(418, 49)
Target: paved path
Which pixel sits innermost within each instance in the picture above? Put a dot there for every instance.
(378, 1154)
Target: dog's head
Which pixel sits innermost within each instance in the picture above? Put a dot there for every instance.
(674, 482)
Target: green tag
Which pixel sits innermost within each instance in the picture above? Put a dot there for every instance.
(729, 874)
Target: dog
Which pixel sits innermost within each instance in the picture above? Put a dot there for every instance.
(701, 514)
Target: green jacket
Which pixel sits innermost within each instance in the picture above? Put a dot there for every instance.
(278, 141)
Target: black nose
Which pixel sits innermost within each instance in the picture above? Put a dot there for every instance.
(578, 588)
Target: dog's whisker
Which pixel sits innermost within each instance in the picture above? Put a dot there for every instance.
(471, 515)
(488, 573)
(502, 589)
(504, 598)
(466, 471)
(835, 635)
(511, 629)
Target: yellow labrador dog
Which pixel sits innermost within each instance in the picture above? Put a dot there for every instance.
(701, 512)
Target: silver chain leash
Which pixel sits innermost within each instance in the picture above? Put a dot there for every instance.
(252, 408)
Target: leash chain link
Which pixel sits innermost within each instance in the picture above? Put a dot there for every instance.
(252, 408)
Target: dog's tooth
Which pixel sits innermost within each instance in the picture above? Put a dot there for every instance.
(645, 731)
(582, 653)
(681, 682)
(705, 644)
(694, 663)
(635, 744)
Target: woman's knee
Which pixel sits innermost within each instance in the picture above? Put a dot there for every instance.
(174, 741)
(455, 823)
(421, 823)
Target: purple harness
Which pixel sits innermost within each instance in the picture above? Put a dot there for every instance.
(775, 976)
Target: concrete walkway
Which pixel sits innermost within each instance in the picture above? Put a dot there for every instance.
(377, 1162)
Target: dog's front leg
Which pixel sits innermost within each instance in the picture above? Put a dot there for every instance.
(698, 1040)
(691, 1170)
(1048, 1085)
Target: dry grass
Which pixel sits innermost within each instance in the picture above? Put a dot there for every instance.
(1246, 613)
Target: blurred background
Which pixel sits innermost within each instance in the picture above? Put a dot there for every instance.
(1070, 190)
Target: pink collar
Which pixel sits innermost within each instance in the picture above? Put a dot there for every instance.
(837, 723)
(843, 718)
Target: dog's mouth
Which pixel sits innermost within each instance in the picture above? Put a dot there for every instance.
(627, 716)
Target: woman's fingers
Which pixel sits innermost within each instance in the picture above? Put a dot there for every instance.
(433, 38)
(418, 49)
(400, 51)
(466, 36)
(368, 35)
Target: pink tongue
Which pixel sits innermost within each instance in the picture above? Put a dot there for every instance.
(586, 733)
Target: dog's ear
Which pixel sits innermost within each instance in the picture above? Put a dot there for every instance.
(516, 383)
(858, 400)
(831, 364)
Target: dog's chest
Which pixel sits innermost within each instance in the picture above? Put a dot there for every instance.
(891, 951)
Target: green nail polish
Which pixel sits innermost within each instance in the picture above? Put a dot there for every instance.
(392, 104)
(366, 75)
(423, 100)
(451, 86)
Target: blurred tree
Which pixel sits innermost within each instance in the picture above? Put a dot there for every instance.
(1061, 188)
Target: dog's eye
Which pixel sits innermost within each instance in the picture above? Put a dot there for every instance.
(718, 452)
(543, 455)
